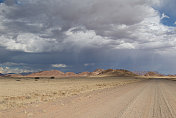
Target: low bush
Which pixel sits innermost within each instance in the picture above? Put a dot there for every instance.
(37, 78)
(52, 77)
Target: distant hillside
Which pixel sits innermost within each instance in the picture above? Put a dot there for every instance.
(148, 73)
(70, 74)
(153, 74)
(54, 73)
(171, 75)
(97, 72)
(117, 72)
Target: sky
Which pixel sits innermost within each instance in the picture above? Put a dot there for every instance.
(83, 35)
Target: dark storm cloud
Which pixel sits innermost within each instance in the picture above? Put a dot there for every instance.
(97, 33)
(53, 23)
(54, 18)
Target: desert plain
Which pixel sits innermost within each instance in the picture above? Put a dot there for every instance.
(88, 97)
(19, 92)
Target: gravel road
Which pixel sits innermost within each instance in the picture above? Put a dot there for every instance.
(155, 98)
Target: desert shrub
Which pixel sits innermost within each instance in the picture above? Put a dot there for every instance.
(18, 80)
(37, 78)
(52, 77)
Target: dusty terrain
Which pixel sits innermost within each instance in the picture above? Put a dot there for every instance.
(153, 98)
(18, 92)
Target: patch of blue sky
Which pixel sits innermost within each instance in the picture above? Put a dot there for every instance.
(22, 2)
(167, 8)
(168, 21)
(18, 2)
(1, 1)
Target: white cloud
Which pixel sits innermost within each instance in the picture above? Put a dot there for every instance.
(59, 65)
(87, 38)
(28, 42)
(98, 17)
(164, 16)
(6, 70)
(125, 46)
(150, 34)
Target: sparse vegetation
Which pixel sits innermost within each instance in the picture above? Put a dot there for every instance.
(37, 78)
(14, 94)
(52, 77)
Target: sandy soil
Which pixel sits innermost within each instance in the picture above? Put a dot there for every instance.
(155, 98)
(21, 92)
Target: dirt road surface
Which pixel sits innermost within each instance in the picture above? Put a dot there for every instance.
(155, 98)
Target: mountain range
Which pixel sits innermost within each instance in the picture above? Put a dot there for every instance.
(96, 73)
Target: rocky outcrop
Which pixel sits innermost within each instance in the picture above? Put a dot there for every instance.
(97, 72)
(70, 74)
(84, 74)
(153, 74)
(117, 72)
(52, 73)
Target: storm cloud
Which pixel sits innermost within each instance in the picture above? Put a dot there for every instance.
(96, 33)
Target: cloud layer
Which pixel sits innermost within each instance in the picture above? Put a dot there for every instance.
(69, 30)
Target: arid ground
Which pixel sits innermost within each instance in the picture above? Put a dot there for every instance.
(19, 92)
(88, 98)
